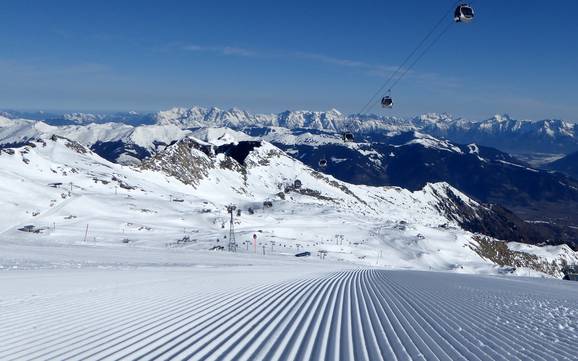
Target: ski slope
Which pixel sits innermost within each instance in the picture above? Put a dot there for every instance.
(289, 311)
(73, 198)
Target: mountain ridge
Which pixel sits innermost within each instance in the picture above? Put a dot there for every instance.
(500, 131)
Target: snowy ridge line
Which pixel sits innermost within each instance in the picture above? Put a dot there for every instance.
(364, 314)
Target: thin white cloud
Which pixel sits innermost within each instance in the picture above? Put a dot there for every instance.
(230, 50)
(375, 70)
(32, 69)
(330, 60)
(371, 69)
(223, 50)
(382, 71)
(192, 48)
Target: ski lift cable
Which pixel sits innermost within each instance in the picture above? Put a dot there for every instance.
(414, 51)
(408, 69)
(428, 48)
(407, 59)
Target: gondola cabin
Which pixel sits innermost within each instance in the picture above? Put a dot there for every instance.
(570, 273)
(348, 137)
(386, 102)
(463, 13)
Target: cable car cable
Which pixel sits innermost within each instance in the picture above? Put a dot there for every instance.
(421, 55)
(414, 51)
(428, 48)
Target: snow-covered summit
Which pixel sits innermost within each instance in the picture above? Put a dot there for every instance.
(428, 141)
(221, 135)
(203, 117)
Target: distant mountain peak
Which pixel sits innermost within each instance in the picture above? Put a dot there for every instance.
(500, 118)
(438, 117)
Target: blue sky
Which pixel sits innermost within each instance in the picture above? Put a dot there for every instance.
(517, 57)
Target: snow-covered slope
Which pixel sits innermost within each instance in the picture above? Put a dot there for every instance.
(279, 311)
(19, 131)
(116, 141)
(220, 136)
(67, 194)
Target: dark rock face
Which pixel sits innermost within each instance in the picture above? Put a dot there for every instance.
(114, 150)
(240, 151)
(190, 160)
(499, 253)
(186, 160)
(14, 145)
(498, 222)
(111, 151)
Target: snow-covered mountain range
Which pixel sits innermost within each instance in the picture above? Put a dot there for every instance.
(79, 118)
(501, 131)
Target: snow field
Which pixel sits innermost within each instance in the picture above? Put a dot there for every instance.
(272, 313)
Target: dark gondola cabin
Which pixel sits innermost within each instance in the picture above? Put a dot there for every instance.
(348, 137)
(570, 273)
(297, 184)
(323, 163)
(386, 102)
(463, 13)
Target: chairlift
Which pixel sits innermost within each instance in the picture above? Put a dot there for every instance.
(463, 13)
